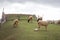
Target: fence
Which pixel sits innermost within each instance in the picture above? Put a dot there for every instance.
(10, 17)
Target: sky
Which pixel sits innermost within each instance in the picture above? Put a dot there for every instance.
(48, 9)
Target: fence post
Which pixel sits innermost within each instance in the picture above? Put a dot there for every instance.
(0, 22)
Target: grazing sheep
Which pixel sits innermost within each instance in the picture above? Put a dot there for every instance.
(29, 19)
(42, 23)
(15, 24)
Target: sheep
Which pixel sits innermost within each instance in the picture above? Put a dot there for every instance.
(29, 19)
(15, 23)
(42, 23)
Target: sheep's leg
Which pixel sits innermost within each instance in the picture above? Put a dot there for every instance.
(39, 26)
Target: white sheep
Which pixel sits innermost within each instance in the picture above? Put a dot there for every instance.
(42, 23)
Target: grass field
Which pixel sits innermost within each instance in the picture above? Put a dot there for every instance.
(25, 31)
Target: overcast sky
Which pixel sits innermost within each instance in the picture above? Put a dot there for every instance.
(48, 9)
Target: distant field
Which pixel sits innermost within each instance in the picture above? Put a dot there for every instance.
(25, 31)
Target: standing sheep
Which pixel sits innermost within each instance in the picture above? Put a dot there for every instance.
(42, 23)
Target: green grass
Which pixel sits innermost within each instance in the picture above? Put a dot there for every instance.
(25, 31)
